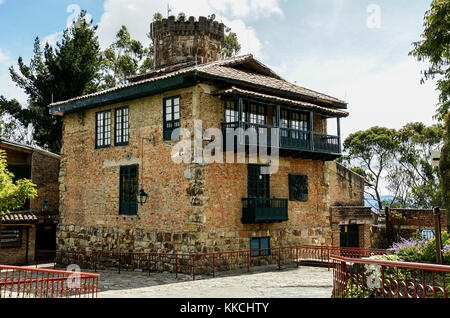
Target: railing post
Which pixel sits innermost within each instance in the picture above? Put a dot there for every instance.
(193, 267)
(279, 258)
(311, 130)
(214, 264)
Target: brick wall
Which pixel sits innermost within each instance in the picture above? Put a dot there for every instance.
(17, 256)
(45, 173)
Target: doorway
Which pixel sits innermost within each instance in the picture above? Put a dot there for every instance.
(349, 235)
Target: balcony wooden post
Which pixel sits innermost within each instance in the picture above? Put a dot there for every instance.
(339, 133)
(241, 106)
(311, 133)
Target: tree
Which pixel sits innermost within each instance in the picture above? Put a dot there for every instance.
(69, 70)
(124, 58)
(444, 166)
(435, 48)
(12, 194)
(372, 151)
(231, 45)
(416, 143)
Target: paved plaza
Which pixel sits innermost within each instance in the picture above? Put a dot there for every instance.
(302, 282)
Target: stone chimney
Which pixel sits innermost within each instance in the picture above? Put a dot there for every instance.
(187, 40)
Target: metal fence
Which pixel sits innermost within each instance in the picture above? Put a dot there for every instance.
(209, 263)
(25, 282)
(367, 278)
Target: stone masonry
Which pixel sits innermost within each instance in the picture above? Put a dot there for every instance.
(192, 207)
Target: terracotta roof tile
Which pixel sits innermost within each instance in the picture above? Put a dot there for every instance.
(223, 69)
(19, 218)
(304, 105)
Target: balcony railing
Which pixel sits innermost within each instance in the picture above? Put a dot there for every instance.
(288, 138)
(264, 210)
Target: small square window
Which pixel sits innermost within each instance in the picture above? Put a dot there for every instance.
(11, 237)
(260, 246)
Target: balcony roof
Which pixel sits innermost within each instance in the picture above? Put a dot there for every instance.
(279, 100)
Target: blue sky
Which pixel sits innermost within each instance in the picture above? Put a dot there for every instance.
(325, 45)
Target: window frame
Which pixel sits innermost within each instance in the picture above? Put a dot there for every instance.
(134, 211)
(257, 252)
(104, 138)
(122, 129)
(166, 130)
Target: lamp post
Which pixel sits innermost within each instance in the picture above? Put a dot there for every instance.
(437, 230)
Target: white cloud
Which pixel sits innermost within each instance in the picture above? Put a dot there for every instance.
(247, 9)
(7, 87)
(3, 56)
(51, 39)
(138, 15)
(391, 96)
(1, 1)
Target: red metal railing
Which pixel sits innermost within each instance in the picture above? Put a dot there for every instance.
(209, 263)
(368, 278)
(26, 282)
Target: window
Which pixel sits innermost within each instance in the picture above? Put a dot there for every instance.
(171, 117)
(296, 122)
(11, 237)
(103, 129)
(260, 246)
(298, 188)
(121, 127)
(256, 114)
(231, 112)
(258, 183)
(128, 190)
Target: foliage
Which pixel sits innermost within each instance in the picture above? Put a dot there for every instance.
(400, 159)
(69, 70)
(444, 167)
(124, 58)
(421, 251)
(231, 45)
(398, 215)
(372, 151)
(13, 194)
(434, 48)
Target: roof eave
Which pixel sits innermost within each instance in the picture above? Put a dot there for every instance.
(121, 95)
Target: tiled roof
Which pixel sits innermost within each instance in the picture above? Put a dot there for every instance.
(304, 105)
(27, 147)
(223, 69)
(19, 218)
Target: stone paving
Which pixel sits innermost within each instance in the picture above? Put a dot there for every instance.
(261, 282)
(302, 282)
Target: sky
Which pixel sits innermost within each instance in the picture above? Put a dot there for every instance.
(355, 50)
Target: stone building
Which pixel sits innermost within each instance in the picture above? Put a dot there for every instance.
(119, 141)
(34, 226)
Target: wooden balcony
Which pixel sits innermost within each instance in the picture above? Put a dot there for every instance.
(264, 210)
(291, 142)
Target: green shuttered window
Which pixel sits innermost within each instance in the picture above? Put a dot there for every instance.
(11, 237)
(298, 188)
(128, 190)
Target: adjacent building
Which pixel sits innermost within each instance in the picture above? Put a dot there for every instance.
(33, 227)
(120, 141)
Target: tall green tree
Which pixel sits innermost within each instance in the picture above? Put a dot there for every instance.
(372, 151)
(124, 58)
(55, 74)
(444, 166)
(435, 49)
